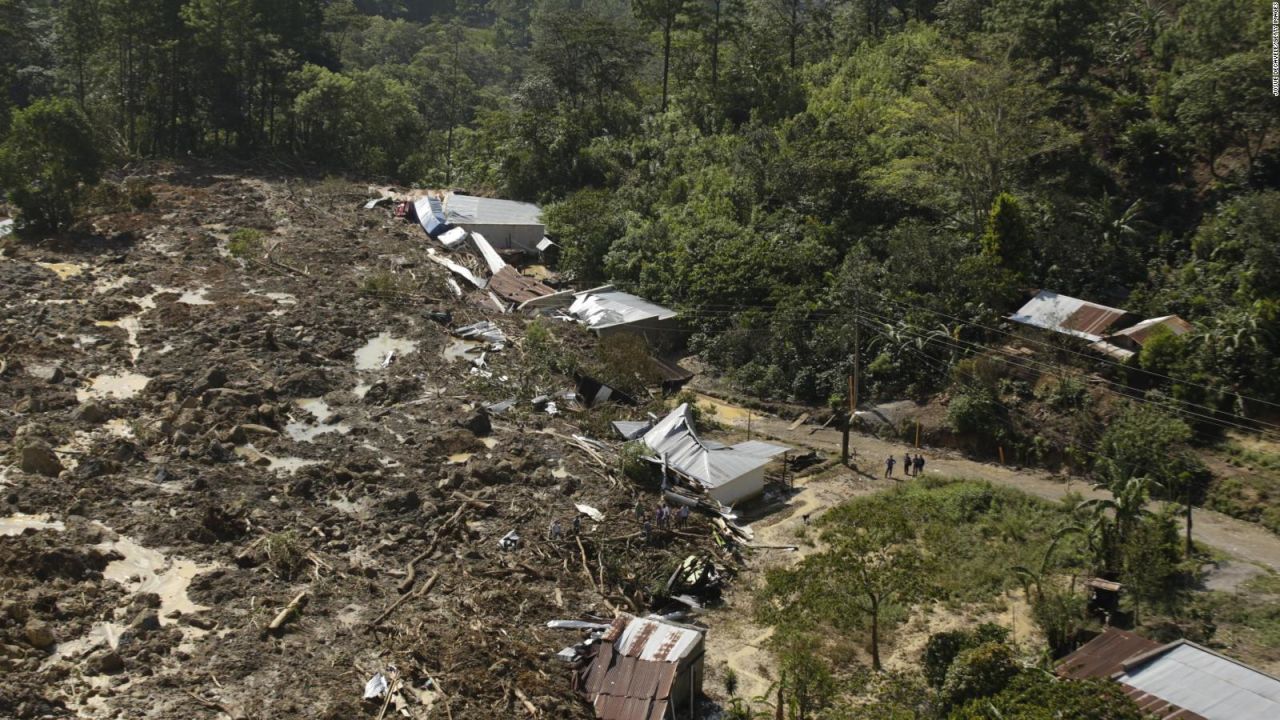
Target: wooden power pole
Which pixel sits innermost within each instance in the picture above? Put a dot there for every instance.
(853, 396)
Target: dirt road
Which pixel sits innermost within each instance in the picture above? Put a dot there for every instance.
(740, 641)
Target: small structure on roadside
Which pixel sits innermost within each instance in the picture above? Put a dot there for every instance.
(728, 474)
(643, 669)
(1180, 679)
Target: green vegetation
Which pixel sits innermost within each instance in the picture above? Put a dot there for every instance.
(47, 159)
(245, 243)
(960, 546)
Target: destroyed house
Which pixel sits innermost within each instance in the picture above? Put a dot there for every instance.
(727, 473)
(643, 669)
(506, 224)
(1072, 316)
(607, 311)
(1178, 680)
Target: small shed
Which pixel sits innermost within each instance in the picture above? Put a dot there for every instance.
(507, 224)
(644, 669)
(607, 311)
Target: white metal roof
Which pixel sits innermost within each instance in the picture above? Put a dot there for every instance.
(605, 308)
(1068, 315)
(711, 463)
(472, 210)
(1204, 682)
(657, 641)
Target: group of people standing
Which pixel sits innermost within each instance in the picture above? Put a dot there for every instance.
(663, 517)
(911, 466)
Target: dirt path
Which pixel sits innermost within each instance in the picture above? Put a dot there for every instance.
(740, 641)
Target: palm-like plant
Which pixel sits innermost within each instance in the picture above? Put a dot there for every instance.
(1117, 515)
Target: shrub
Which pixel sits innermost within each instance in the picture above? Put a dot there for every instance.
(245, 243)
(47, 160)
(979, 672)
(285, 552)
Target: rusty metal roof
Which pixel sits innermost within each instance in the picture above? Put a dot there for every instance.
(511, 285)
(1069, 315)
(1141, 332)
(1104, 655)
(635, 666)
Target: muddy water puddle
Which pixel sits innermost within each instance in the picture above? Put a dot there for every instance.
(117, 386)
(460, 349)
(19, 523)
(144, 570)
(375, 352)
(274, 463)
(64, 270)
(302, 431)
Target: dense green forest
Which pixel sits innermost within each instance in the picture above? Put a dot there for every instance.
(780, 170)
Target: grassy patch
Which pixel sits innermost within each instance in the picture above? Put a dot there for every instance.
(245, 243)
(383, 284)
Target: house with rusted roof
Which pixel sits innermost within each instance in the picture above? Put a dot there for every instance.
(1072, 316)
(1180, 680)
(643, 669)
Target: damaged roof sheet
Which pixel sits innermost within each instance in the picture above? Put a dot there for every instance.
(710, 463)
(472, 210)
(515, 287)
(1068, 315)
(635, 667)
(606, 308)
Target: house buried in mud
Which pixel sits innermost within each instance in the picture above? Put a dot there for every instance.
(728, 474)
(643, 669)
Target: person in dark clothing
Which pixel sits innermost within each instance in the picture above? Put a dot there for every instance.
(888, 466)
(919, 464)
(906, 464)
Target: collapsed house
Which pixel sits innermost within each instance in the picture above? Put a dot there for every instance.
(508, 224)
(1110, 331)
(728, 474)
(643, 669)
(1180, 679)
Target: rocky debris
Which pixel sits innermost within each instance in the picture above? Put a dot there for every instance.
(50, 373)
(478, 423)
(39, 634)
(91, 412)
(211, 503)
(104, 662)
(37, 457)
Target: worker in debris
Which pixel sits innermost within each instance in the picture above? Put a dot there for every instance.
(647, 530)
(577, 524)
(639, 511)
(556, 532)
(888, 466)
(682, 515)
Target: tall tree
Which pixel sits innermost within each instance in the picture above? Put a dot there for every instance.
(664, 14)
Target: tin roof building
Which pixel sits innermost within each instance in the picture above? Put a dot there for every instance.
(1178, 680)
(644, 669)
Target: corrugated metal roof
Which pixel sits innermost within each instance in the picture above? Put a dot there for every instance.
(1104, 655)
(607, 308)
(1068, 315)
(515, 287)
(1204, 682)
(710, 463)
(1142, 331)
(472, 210)
(635, 666)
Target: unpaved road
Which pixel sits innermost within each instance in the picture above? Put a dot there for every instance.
(740, 641)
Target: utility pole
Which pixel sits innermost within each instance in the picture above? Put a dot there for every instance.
(853, 395)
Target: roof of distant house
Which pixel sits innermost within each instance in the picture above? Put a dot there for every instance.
(1069, 315)
(472, 210)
